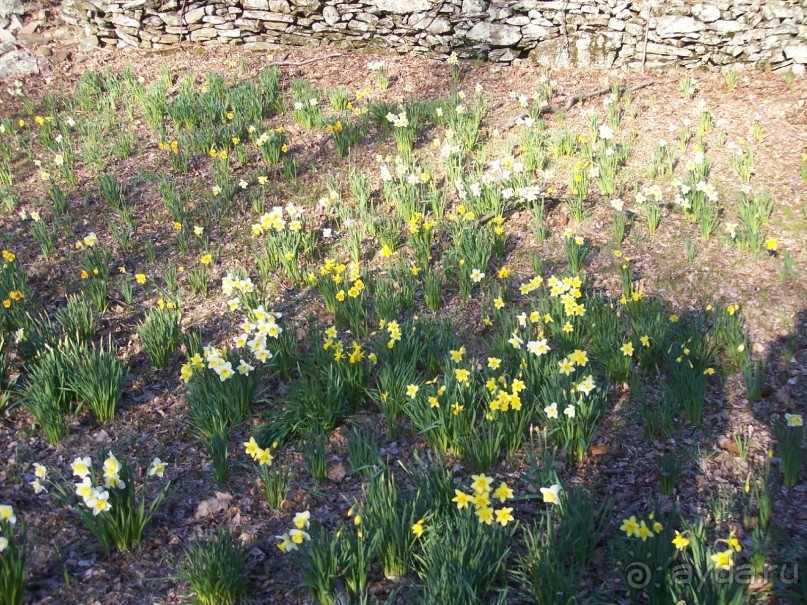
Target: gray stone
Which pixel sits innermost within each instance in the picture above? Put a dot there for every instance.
(434, 26)
(10, 7)
(495, 34)
(502, 55)
(30, 28)
(331, 15)
(727, 27)
(706, 12)
(357, 25)
(195, 15)
(206, 33)
(402, 6)
(127, 39)
(665, 49)
(124, 21)
(279, 6)
(473, 7)
(797, 52)
(671, 25)
(260, 5)
(307, 6)
(551, 53)
(298, 40)
(518, 20)
(267, 16)
(366, 17)
(88, 44)
(535, 32)
(258, 46)
(616, 24)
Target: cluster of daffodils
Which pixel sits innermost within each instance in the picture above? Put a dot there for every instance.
(642, 529)
(684, 190)
(419, 223)
(398, 120)
(265, 137)
(340, 274)
(412, 390)
(275, 221)
(257, 453)
(312, 102)
(354, 355)
(411, 174)
(393, 330)
(530, 286)
(257, 328)
(231, 284)
(502, 169)
(96, 497)
(13, 295)
(172, 147)
(504, 397)
(462, 213)
(725, 558)
(40, 475)
(650, 192)
(7, 517)
(721, 560)
(482, 497)
(568, 290)
(297, 535)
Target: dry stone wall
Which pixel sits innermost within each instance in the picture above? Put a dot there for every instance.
(599, 33)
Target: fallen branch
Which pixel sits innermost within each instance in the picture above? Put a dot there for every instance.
(788, 132)
(304, 62)
(573, 100)
(511, 208)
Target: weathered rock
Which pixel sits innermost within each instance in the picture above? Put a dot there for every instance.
(331, 15)
(194, 15)
(30, 27)
(796, 52)
(123, 20)
(88, 44)
(268, 16)
(10, 7)
(725, 27)
(494, 34)
(671, 25)
(18, 63)
(402, 6)
(706, 12)
(474, 7)
(502, 54)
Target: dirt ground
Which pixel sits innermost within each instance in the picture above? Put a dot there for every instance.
(66, 564)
